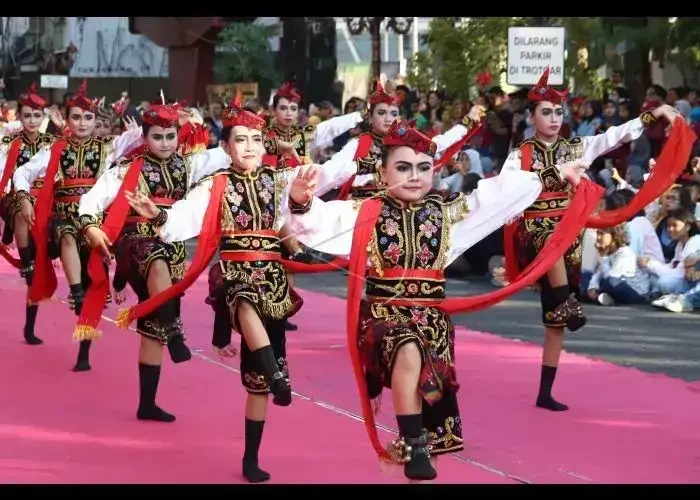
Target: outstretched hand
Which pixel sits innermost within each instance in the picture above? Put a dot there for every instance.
(304, 185)
(142, 204)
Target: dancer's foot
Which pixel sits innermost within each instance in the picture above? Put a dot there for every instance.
(179, 352)
(550, 403)
(253, 473)
(281, 390)
(32, 339)
(419, 467)
(154, 413)
(82, 366)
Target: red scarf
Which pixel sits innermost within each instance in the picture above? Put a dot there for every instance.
(10, 162)
(670, 164)
(587, 196)
(45, 283)
(97, 293)
(208, 244)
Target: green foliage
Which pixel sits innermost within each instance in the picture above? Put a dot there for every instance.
(244, 55)
(460, 49)
(685, 44)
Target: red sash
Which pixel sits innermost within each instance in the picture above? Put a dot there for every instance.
(97, 293)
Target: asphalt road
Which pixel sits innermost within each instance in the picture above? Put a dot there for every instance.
(650, 339)
(647, 338)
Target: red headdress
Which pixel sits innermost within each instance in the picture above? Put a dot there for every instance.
(289, 92)
(543, 92)
(81, 100)
(32, 99)
(402, 133)
(161, 115)
(234, 115)
(380, 96)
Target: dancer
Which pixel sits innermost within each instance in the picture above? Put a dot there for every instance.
(354, 168)
(16, 149)
(144, 261)
(239, 212)
(289, 145)
(73, 164)
(543, 154)
(404, 337)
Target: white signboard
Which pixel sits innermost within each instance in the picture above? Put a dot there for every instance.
(106, 49)
(54, 81)
(531, 50)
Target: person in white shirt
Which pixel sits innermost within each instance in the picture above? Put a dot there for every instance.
(641, 234)
(670, 278)
(617, 279)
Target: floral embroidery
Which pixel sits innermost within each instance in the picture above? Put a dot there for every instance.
(393, 253)
(391, 227)
(425, 254)
(418, 317)
(267, 219)
(257, 274)
(428, 228)
(234, 198)
(239, 187)
(243, 219)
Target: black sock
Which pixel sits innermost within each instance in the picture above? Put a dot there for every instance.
(83, 362)
(265, 359)
(253, 437)
(149, 375)
(411, 430)
(78, 296)
(30, 320)
(544, 398)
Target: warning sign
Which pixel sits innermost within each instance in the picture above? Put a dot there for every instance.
(531, 50)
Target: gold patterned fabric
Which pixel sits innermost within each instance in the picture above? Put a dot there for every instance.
(285, 160)
(368, 165)
(539, 223)
(79, 167)
(250, 222)
(139, 246)
(9, 203)
(413, 240)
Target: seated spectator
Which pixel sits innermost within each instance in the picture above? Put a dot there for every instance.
(641, 235)
(670, 278)
(690, 300)
(617, 279)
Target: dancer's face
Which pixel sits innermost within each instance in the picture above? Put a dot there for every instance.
(408, 175)
(383, 115)
(162, 142)
(102, 128)
(245, 146)
(31, 119)
(548, 118)
(80, 122)
(286, 112)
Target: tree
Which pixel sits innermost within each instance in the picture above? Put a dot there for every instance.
(684, 42)
(461, 48)
(243, 54)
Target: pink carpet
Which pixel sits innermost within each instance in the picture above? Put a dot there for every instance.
(57, 426)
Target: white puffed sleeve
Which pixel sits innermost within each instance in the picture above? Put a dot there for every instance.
(102, 194)
(597, 145)
(10, 128)
(450, 137)
(328, 130)
(122, 144)
(34, 169)
(207, 162)
(3, 162)
(338, 169)
(185, 217)
(327, 226)
(492, 204)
